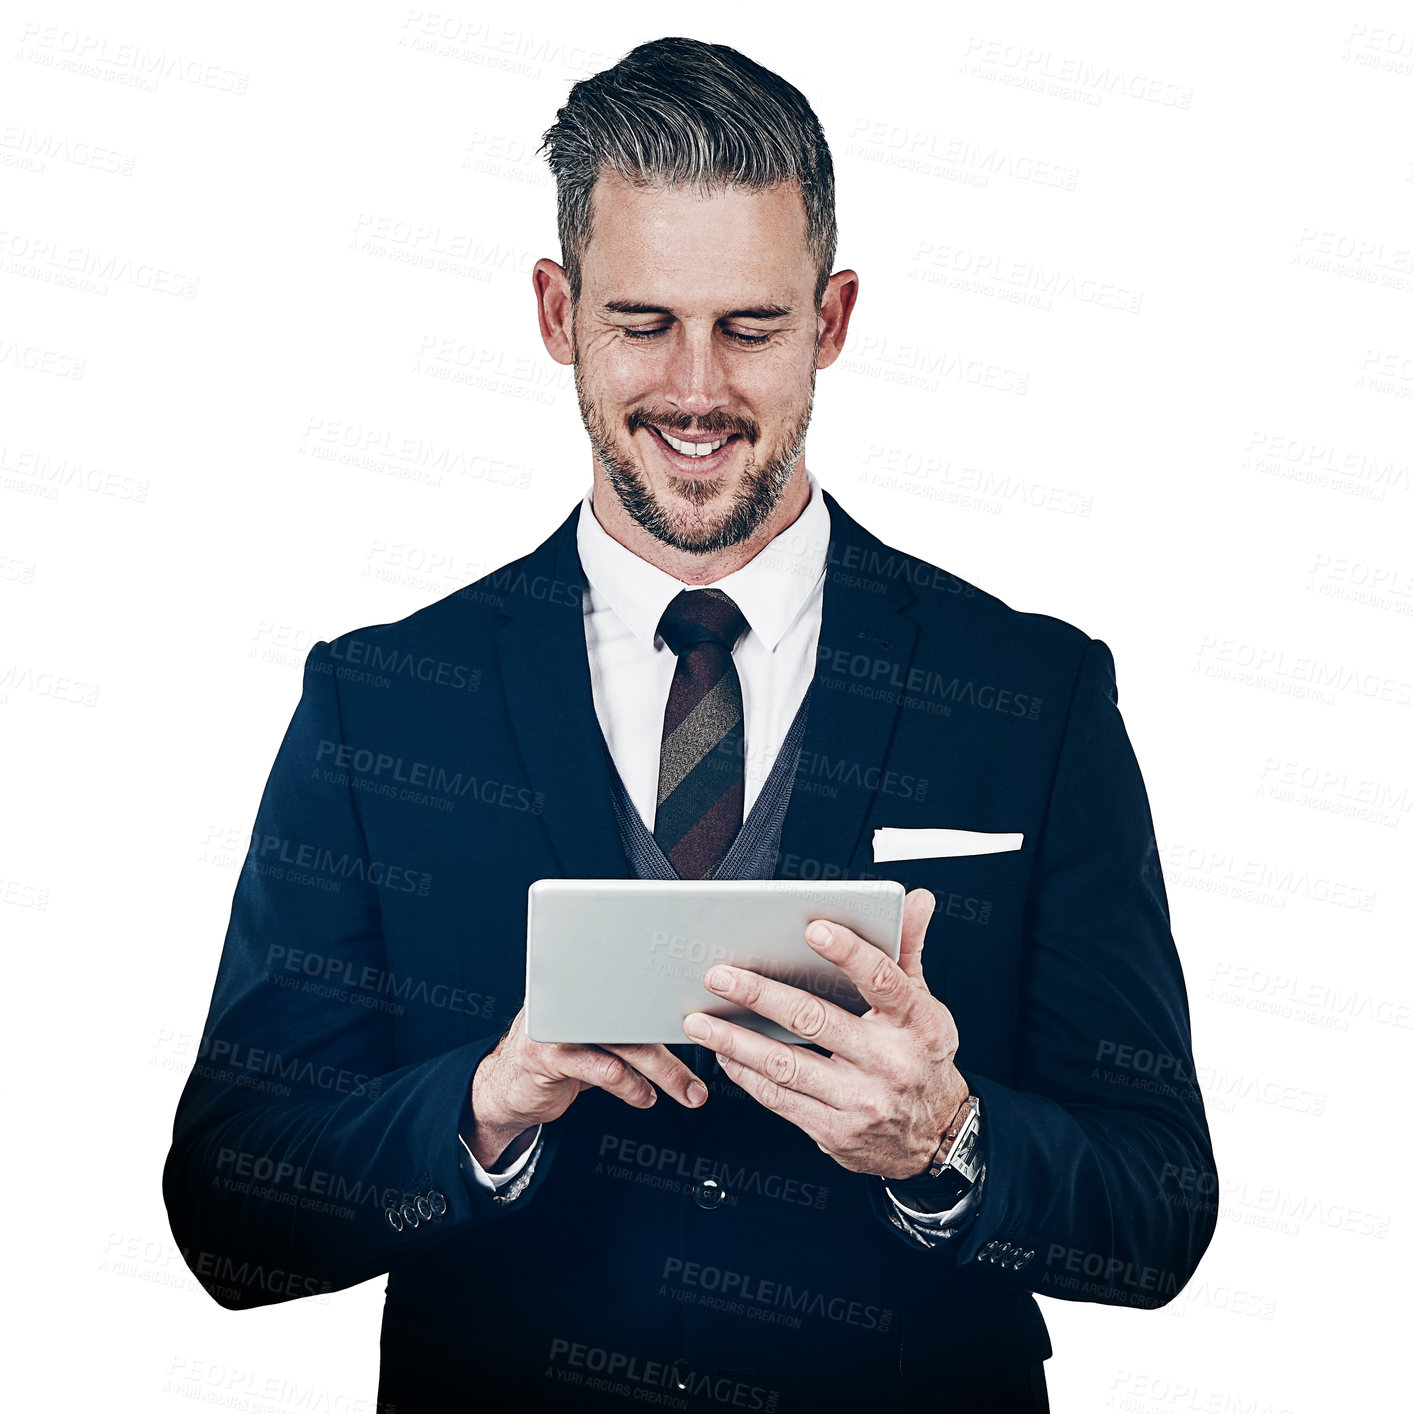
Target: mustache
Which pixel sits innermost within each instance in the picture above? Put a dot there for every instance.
(712, 425)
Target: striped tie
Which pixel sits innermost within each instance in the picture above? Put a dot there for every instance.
(701, 784)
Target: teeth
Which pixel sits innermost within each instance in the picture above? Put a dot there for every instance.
(693, 449)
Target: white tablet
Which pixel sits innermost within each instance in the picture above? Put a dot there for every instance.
(613, 961)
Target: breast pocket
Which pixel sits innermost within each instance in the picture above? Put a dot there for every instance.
(970, 889)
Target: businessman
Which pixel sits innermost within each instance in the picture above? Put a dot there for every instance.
(709, 670)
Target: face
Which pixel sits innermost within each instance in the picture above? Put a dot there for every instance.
(695, 342)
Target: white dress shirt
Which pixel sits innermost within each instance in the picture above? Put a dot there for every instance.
(780, 593)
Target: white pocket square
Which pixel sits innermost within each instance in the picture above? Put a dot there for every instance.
(890, 844)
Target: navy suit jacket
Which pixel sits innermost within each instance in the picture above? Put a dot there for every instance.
(435, 767)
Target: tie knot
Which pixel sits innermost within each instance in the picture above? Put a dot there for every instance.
(701, 616)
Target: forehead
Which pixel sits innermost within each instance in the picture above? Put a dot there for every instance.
(672, 245)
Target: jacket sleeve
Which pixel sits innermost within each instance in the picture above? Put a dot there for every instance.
(304, 1158)
(1100, 1179)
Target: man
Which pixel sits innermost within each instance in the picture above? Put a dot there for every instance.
(708, 670)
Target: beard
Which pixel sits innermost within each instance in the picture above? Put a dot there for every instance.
(758, 492)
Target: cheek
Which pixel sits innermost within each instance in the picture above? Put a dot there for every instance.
(785, 367)
(623, 377)
(774, 386)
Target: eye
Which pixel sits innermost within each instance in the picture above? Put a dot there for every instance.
(748, 340)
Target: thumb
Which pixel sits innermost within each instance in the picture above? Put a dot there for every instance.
(918, 907)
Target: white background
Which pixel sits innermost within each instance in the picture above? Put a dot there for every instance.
(1196, 446)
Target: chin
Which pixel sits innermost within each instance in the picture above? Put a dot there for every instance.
(695, 514)
(698, 491)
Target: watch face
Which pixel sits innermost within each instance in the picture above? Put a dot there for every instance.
(961, 1155)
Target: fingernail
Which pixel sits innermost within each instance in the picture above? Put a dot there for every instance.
(697, 1028)
(652, 1096)
(819, 933)
(696, 1093)
(719, 980)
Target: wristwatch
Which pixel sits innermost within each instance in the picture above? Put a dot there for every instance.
(952, 1171)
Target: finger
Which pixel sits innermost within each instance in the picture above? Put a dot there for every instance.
(808, 1016)
(881, 982)
(596, 1066)
(918, 908)
(671, 1075)
(803, 1111)
(791, 1067)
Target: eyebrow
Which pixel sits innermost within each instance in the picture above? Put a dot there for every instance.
(762, 311)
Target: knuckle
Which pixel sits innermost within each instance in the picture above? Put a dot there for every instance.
(770, 1094)
(611, 1069)
(883, 979)
(782, 1066)
(809, 1017)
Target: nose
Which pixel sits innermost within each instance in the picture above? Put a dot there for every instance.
(695, 379)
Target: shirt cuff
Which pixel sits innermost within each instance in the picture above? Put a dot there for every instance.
(493, 1181)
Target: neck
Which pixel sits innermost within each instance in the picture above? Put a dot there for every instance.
(691, 566)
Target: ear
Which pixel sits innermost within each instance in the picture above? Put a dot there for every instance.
(556, 310)
(834, 311)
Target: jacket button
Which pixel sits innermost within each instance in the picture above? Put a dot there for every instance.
(437, 1201)
(424, 1208)
(709, 1194)
(409, 1215)
(394, 1219)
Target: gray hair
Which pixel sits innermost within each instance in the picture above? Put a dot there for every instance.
(681, 112)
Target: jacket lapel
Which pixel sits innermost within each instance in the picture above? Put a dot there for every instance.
(861, 668)
(544, 668)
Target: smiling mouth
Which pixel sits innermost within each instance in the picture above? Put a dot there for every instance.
(693, 450)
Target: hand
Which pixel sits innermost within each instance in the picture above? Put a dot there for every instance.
(523, 1083)
(880, 1101)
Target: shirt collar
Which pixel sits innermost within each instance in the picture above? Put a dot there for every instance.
(770, 589)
